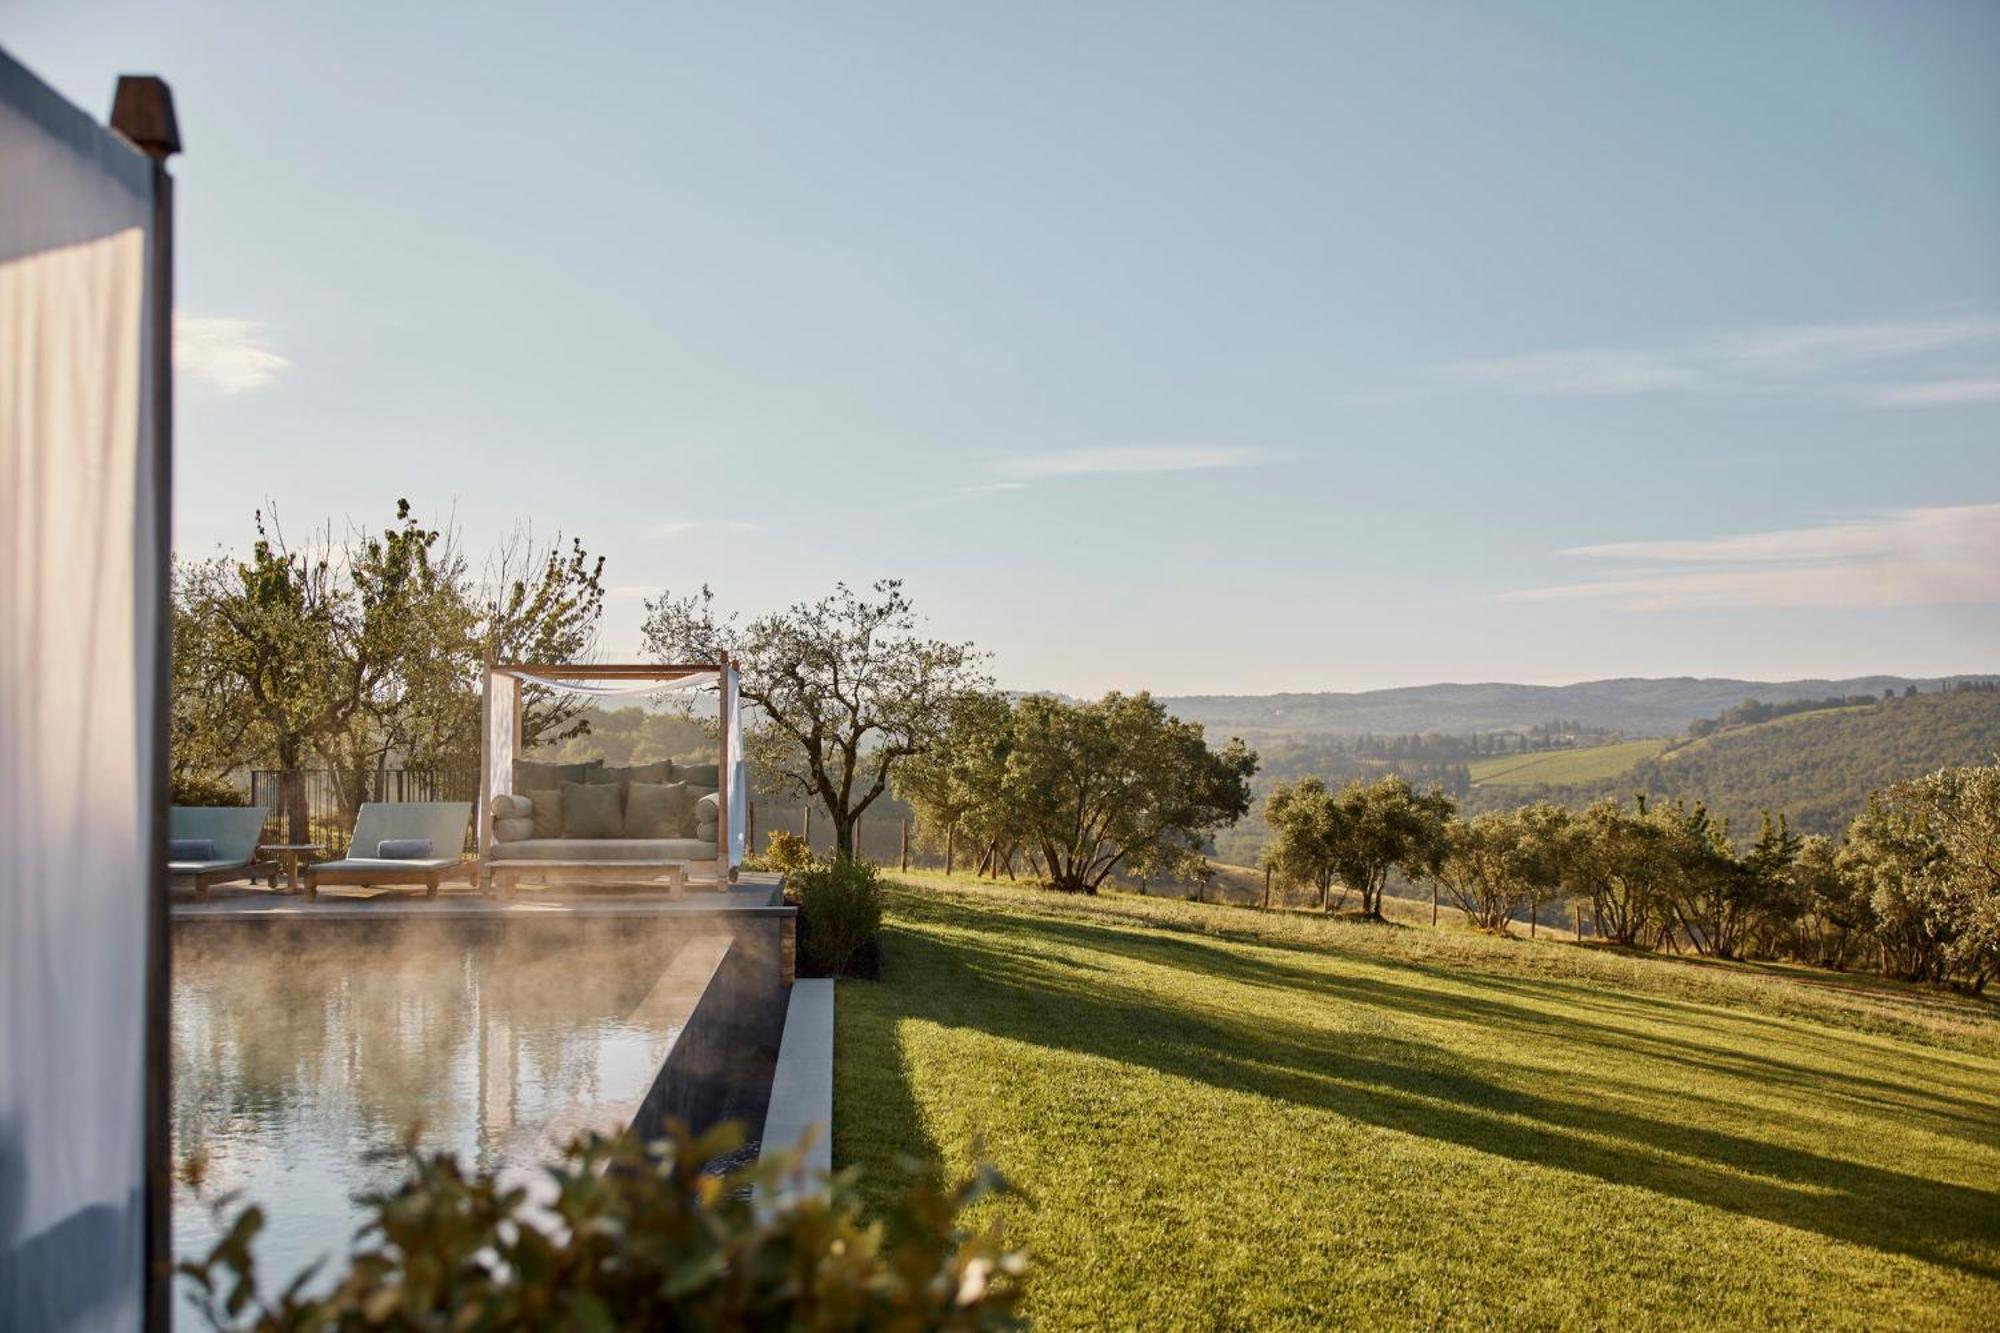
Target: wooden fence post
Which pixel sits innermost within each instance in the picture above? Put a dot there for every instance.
(950, 846)
(905, 853)
(806, 832)
(1267, 888)
(1434, 904)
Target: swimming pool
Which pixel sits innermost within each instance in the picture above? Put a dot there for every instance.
(302, 1062)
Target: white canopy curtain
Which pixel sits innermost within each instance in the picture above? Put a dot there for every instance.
(503, 724)
(84, 443)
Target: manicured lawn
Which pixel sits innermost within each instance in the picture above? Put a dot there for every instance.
(1223, 1119)
(1593, 763)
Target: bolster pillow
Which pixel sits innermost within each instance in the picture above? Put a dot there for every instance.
(404, 849)
(513, 807)
(513, 830)
(191, 849)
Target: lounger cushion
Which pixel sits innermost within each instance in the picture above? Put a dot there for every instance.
(698, 775)
(547, 813)
(658, 810)
(513, 807)
(514, 830)
(605, 849)
(190, 849)
(591, 811)
(350, 866)
(204, 867)
(404, 849)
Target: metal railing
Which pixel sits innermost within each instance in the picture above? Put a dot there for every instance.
(309, 800)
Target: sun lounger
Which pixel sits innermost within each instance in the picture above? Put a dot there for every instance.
(213, 844)
(425, 845)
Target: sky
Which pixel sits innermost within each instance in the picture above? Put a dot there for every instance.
(1199, 348)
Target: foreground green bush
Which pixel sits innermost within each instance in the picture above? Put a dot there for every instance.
(634, 1236)
(840, 914)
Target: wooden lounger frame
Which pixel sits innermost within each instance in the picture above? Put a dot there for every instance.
(204, 880)
(333, 873)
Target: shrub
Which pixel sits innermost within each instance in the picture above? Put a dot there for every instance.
(200, 789)
(787, 852)
(840, 914)
(634, 1236)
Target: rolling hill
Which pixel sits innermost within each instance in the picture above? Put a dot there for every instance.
(1818, 768)
(1634, 706)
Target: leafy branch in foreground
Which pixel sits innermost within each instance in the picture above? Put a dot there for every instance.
(623, 1234)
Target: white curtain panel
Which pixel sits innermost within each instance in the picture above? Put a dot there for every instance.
(736, 789)
(502, 694)
(78, 776)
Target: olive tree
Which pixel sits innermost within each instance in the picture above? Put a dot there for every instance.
(1118, 782)
(1357, 836)
(840, 690)
(1494, 865)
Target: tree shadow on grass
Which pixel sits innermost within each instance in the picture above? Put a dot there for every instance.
(1434, 991)
(1409, 1087)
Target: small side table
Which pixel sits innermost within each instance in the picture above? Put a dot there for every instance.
(292, 856)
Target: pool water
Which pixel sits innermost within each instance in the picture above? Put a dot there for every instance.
(299, 1074)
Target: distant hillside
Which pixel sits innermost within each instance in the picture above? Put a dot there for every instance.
(1817, 768)
(1634, 706)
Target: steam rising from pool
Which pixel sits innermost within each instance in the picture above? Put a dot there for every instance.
(300, 1069)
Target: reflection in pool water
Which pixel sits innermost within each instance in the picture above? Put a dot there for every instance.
(298, 1074)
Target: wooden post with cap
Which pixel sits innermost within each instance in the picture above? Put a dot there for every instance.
(142, 110)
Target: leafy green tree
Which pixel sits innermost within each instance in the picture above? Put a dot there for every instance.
(1961, 808)
(1548, 837)
(844, 689)
(1830, 911)
(1499, 864)
(213, 727)
(351, 654)
(1889, 856)
(1360, 835)
(287, 640)
(1714, 898)
(1097, 786)
(1622, 863)
(1488, 869)
(1302, 816)
(958, 789)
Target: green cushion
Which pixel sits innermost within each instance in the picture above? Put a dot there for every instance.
(529, 775)
(592, 810)
(698, 775)
(548, 813)
(659, 810)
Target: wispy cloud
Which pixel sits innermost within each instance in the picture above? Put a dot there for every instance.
(1941, 393)
(1948, 554)
(1785, 355)
(1588, 371)
(224, 352)
(1801, 349)
(1133, 458)
(991, 487)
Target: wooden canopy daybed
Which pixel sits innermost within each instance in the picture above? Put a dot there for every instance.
(649, 826)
